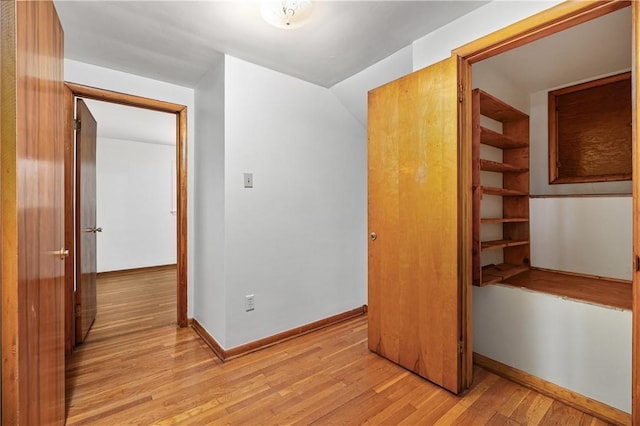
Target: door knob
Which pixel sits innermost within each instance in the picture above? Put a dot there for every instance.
(94, 230)
(62, 253)
(374, 236)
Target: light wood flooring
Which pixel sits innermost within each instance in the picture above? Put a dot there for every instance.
(145, 371)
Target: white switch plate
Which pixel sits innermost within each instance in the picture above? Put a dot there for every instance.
(248, 180)
(249, 303)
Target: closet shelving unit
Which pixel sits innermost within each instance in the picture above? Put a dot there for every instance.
(514, 143)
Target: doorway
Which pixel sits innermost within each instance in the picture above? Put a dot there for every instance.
(563, 17)
(180, 195)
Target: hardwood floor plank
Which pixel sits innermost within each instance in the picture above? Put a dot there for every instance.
(155, 373)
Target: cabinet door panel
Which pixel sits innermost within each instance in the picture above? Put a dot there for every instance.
(414, 286)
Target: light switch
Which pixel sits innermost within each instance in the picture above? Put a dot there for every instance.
(248, 180)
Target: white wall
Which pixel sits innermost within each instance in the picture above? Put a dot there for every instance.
(582, 347)
(438, 44)
(352, 92)
(104, 78)
(579, 346)
(297, 240)
(209, 204)
(134, 202)
(587, 235)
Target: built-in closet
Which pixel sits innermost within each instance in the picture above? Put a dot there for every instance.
(459, 194)
(552, 262)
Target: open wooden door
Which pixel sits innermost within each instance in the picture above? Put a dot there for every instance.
(416, 307)
(32, 218)
(86, 228)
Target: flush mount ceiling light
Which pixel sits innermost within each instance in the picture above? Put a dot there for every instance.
(287, 14)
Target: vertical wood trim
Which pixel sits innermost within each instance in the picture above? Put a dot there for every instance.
(181, 176)
(553, 145)
(635, 373)
(69, 225)
(9, 219)
(465, 222)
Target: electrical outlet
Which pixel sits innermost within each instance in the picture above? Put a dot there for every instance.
(249, 303)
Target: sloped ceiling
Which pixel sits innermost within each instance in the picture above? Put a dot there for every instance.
(177, 41)
(594, 48)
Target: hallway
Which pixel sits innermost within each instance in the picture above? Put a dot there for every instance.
(154, 373)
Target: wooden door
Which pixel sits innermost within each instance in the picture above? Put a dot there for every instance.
(85, 220)
(415, 289)
(32, 206)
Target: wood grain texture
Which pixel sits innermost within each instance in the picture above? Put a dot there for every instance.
(32, 197)
(181, 162)
(181, 173)
(564, 397)
(69, 222)
(589, 289)
(167, 375)
(127, 272)
(134, 301)
(86, 216)
(414, 286)
(590, 131)
(514, 142)
(635, 160)
(242, 350)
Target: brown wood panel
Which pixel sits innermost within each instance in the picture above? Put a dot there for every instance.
(69, 222)
(476, 186)
(414, 288)
(32, 214)
(86, 236)
(590, 131)
(181, 162)
(165, 375)
(602, 291)
(516, 207)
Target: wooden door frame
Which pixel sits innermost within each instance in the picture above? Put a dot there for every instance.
(87, 92)
(543, 24)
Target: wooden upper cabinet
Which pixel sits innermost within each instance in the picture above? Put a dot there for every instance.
(415, 285)
(590, 131)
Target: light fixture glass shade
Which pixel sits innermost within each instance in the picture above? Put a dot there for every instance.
(287, 14)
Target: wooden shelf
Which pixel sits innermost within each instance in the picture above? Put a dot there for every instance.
(492, 274)
(498, 244)
(498, 140)
(492, 166)
(512, 141)
(503, 192)
(496, 109)
(504, 220)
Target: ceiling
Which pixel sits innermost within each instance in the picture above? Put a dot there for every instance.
(595, 48)
(178, 41)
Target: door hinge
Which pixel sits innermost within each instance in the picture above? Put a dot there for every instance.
(77, 310)
(76, 124)
(460, 93)
(461, 346)
(637, 264)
